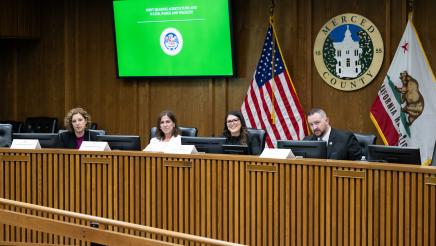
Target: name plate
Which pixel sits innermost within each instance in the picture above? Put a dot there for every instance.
(277, 153)
(25, 144)
(94, 146)
(182, 149)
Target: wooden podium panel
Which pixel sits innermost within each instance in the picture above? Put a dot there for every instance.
(242, 199)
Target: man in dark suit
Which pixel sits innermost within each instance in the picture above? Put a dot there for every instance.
(341, 145)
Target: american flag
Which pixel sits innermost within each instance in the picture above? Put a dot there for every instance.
(284, 121)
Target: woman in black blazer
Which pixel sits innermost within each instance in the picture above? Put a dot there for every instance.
(77, 122)
(236, 133)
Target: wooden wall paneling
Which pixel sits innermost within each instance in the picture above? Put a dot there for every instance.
(301, 71)
(106, 97)
(28, 21)
(250, 23)
(425, 26)
(212, 100)
(70, 33)
(220, 105)
(9, 80)
(144, 109)
(40, 87)
(187, 98)
(20, 19)
(8, 19)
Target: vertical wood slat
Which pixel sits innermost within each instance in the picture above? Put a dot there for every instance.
(242, 203)
(299, 206)
(231, 201)
(316, 202)
(147, 184)
(432, 229)
(322, 186)
(214, 196)
(248, 223)
(281, 202)
(2, 194)
(208, 204)
(420, 208)
(401, 209)
(332, 210)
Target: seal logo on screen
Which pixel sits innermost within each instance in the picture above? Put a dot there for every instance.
(171, 41)
(348, 52)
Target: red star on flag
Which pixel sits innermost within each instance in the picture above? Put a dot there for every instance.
(405, 47)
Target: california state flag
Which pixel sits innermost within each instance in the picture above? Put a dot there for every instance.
(404, 111)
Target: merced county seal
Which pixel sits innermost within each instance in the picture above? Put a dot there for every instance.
(171, 41)
(348, 52)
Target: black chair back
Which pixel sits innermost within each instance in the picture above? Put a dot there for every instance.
(16, 125)
(99, 132)
(185, 131)
(5, 135)
(93, 126)
(41, 125)
(365, 140)
(257, 139)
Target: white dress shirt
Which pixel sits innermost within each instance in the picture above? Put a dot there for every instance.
(157, 145)
(326, 136)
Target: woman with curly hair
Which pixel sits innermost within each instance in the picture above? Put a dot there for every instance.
(77, 121)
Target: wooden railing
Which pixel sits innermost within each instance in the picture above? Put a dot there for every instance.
(239, 199)
(57, 227)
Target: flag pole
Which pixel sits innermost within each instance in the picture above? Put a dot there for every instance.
(273, 55)
(410, 10)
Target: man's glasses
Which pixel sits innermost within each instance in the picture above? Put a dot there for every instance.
(231, 121)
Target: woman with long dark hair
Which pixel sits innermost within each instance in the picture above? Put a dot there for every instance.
(167, 133)
(235, 129)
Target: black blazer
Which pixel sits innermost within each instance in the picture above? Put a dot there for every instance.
(341, 145)
(67, 139)
(254, 144)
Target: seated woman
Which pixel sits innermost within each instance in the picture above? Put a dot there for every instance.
(77, 121)
(236, 132)
(167, 134)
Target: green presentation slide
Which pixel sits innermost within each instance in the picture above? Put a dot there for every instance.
(156, 38)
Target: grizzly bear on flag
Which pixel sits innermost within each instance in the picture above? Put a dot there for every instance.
(411, 99)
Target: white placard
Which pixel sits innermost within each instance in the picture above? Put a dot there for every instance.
(153, 148)
(181, 149)
(25, 144)
(94, 146)
(277, 153)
